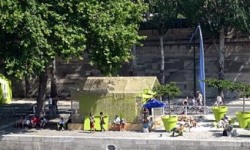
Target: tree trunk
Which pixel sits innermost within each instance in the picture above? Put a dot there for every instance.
(53, 87)
(162, 60)
(221, 70)
(41, 93)
(243, 104)
(27, 86)
(169, 108)
(134, 61)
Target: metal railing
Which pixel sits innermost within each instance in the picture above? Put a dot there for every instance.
(189, 110)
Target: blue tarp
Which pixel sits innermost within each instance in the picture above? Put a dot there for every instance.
(153, 103)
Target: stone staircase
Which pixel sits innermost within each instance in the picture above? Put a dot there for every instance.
(68, 83)
(15, 110)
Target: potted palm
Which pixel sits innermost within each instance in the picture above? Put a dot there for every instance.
(147, 94)
(243, 116)
(168, 90)
(221, 85)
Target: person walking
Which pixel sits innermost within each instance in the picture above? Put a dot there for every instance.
(92, 123)
(199, 98)
(185, 105)
(102, 122)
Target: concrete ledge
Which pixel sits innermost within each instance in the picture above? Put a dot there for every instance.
(31, 142)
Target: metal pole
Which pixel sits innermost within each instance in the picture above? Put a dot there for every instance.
(194, 69)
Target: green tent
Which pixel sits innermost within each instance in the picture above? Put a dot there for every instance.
(5, 90)
(114, 96)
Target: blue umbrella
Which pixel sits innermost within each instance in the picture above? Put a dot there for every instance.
(153, 103)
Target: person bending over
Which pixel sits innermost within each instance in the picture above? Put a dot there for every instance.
(179, 130)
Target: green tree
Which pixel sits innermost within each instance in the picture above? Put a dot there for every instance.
(170, 90)
(112, 29)
(34, 32)
(242, 88)
(163, 15)
(221, 84)
(222, 18)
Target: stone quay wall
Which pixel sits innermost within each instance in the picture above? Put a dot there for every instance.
(84, 143)
(179, 62)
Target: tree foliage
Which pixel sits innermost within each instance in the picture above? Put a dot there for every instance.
(222, 18)
(170, 90)
(163, 14)
(34, 32)
(242, 88)
(112, 29)
(230, 14)
(220, 84)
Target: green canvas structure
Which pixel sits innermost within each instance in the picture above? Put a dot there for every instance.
(114, 96)
(5, 90)
(97, 123)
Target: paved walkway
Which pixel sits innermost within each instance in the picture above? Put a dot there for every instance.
(204, 131)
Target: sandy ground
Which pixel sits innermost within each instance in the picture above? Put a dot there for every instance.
(204, 131)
